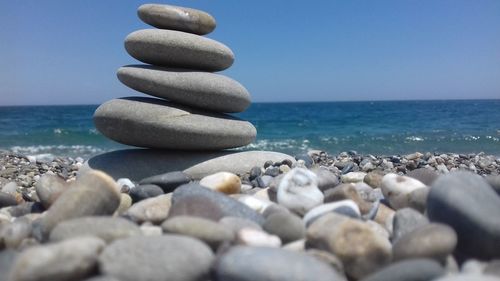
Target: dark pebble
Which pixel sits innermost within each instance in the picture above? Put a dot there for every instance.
(145, 191)
(268, 163)
(168, 181)
(408, 270)
(254, 173)
(7, 200)
(308, 161)
(272, 171)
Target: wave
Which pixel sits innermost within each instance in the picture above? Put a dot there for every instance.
(84, 151)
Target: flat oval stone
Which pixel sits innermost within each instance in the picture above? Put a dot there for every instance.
(264, 263)
(154, 123)
(178, 49)
(157, 258)
(177, 18)
(408, 270)
(193, 88)
(467, 203)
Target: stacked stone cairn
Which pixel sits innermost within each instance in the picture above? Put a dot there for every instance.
(179, 69)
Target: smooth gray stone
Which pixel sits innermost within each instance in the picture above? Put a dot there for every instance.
(92, 194)
(469, 277)
(434, 241)
(204, 90)
(49, 188)
(424, 175)
(106, 228)
(272, 264)
(168, 181)
(287, 226)
(326, 179)
(177, 18)
(494, 182)
(137, 164)
(144, 191)
(72, 259)
(7, 200)
(7, 259)
(405, 221)
(13, 234)
(156, 123)
(466, 202)
(178, 49)
(157, 258)
(408, 270)
(221, 204)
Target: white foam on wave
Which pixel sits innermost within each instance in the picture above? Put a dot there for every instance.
(286, 144)
(58, 131)
(60, 150)
(414, 138)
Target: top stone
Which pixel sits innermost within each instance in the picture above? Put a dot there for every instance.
(177, 18)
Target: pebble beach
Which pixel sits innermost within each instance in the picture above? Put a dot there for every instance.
(420, 216)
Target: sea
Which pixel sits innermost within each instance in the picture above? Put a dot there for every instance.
(368, 127)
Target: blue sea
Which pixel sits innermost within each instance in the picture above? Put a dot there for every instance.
(381, 127)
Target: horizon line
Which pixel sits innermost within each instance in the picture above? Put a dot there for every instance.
(283, 102)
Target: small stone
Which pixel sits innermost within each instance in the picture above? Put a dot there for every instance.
(299, 192)
(94, 193)
(195, 200)
(288, 227)
(353, 177)
(7, 199)
(154, 210)
(344, 207)
(12, 234)
(10, 188)
(125, 183)
(405, 221)
(408, 270)
(146, 257)
(397, 189)
(255, 172)
(177, 18)
(424, 175)
(355, 243)
(347, 191)
(328, 258)
(256, 238)
(272, 171)
(373, 179)
(145, 191)
(325, 178)
(256, 203)
(210, 232)
(224, 182)
(105, 228)
(168, 181)
(151, 230)
(264, 181)
(125, 203)
(261, 263)
(467, 203)
(385, 217)
(284, 169)
(308, 161)
(435, 241)
(71, 259)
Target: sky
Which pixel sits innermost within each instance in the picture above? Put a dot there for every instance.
(67, 52)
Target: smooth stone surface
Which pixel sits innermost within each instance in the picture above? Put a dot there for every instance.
(167, 181)
(7, 259)
(345, 207)
(470, 206)
(125, 203)
(373, 179)
(424, 175)
(12, 234)
(155, 123)
(236, 224)
(468, 277)
(178, 49)
(144, 191)
(7, 199)
(347, 191)
(199, 89)
(210, 232)
(325, 178)
(299, 192)
(93, 194)
(261, 263)
(138, 164)
(356, 244)
(328, 258)
(397, 189)
(154, 210)
(408, 270)
(494, 182)
(71, 259)
(287, 226)
(105, 228)
(177, 18)
(353, 177)
(434, 241)
(405, 221)
(256, 238)
(157, 258)
(195, 200)
(224, 182)
(49, 188)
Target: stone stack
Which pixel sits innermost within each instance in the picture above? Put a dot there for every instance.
(189, 111)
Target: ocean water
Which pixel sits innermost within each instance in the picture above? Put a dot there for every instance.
(382, 127)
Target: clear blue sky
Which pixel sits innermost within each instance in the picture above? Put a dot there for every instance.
(67, 52)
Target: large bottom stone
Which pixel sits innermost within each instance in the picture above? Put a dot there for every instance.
(155, 123)
(137, 164)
